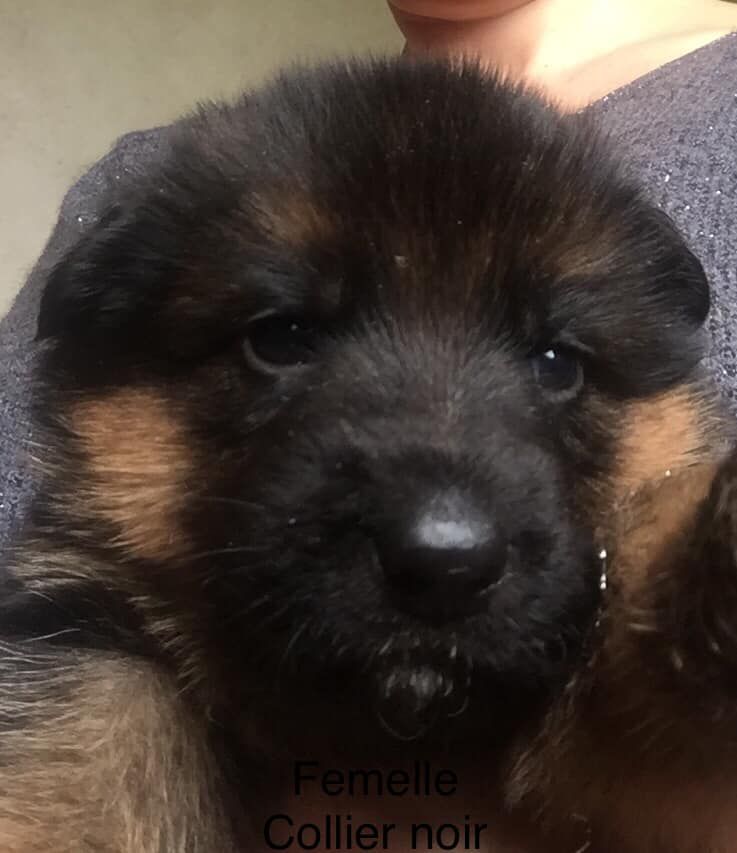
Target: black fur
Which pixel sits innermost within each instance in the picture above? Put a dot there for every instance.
(437, 231)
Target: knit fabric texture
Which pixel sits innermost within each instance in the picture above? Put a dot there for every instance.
(676, 129)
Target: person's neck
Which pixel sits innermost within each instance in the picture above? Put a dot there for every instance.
(578, 50)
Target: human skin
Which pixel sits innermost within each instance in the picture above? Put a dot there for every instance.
(575, 50)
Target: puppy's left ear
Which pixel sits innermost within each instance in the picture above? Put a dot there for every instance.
(109, 276)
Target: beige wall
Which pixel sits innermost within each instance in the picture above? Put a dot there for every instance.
(75, 74)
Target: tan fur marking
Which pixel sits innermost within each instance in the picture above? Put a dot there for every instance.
(139, 459)
(579, 258)
(292, 219)
(663, 434)
(655, 521)
(616, 749)
(114, 763)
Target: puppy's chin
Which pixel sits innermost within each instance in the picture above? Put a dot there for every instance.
(420, 705)
(416, 693)
(417, 687)
(435, 695)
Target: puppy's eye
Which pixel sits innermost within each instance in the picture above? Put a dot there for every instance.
(558, 372)
(277, 341)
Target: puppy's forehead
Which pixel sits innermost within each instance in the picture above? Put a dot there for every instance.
(424, 193)
(467, 185)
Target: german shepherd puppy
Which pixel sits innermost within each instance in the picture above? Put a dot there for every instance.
(341, 412)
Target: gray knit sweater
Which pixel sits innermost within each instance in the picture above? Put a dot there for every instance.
(677, 127)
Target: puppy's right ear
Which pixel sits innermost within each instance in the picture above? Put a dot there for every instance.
(108, 277)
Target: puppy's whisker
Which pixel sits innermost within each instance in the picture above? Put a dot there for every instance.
(217, 552)
(51, 636)
(288, 648)
(239, 502)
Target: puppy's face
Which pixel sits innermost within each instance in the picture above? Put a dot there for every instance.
(349, 382)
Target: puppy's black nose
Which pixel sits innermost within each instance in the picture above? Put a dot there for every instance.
(441, 564)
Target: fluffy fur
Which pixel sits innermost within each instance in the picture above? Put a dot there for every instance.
(360, 298)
